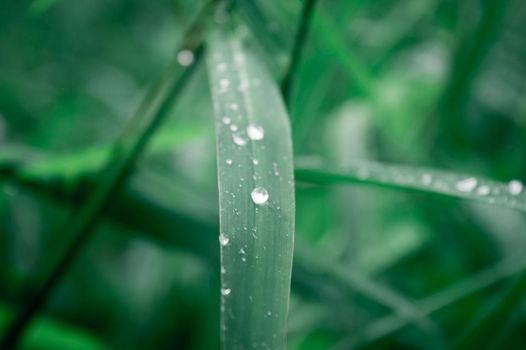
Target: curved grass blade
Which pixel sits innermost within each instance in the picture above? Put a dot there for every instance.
(418, 179)
(256, 197)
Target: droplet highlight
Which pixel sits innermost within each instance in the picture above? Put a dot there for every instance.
(259, 195)
(467, 185)
(515, 187)
(223, 239)
(255, 132)
(185, 58)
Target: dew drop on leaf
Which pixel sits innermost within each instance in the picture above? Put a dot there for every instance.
(225, 291)
(515, 187)
(427, 179)
(223, 239)
(238, 140)
(226, 120)
(483, 190)
(255, 132)
(467, 185)
(228, 161)
(259, 195)
(185, 58)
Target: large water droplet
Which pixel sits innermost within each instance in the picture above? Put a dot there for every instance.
(515, 187)
(238, 140)
(467, 185)
(225, 291)
(259, 195)
(185, 57)
(255, 132)
(223, 239)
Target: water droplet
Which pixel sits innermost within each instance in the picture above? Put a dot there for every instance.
(185, 57)
(225, 291)
(259, 195)
(233, 127)
(427, 179)
(221, 67)
(238, 140)
(255, 132)
(242, 251)
(233, 106)
(223, 239)
(467, 185)
(223, 270)
(483, 190)
(228, 161)
(515, 187)
(224, 83)
(226, 120)
(255, 161)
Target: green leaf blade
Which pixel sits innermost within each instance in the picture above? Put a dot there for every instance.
(257, 232)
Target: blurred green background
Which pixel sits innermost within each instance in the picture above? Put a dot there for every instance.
(423, 82)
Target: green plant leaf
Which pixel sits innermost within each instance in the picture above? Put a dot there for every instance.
(256, 190)
(418, 179)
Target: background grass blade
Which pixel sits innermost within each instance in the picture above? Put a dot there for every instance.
(495, 320)
(256, 191)
(77, 230)
(508, 195)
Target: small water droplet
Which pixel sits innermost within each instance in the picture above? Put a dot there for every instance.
(242, 251)
(224, 83)
(233, 127)
(225, 291)
(226, 120)
(228, 161)
(221, 67)
(223, 239)
(515, 187)
(238, 140)
(185, 57)
(233, 106)
(259, 195)
(467, 185)
(427, 179)
(255, 161)
(483, 190)
(223, 270)
(255, 132)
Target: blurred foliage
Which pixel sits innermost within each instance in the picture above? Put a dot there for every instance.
(422, 82)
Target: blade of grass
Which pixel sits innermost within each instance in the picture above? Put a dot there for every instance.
(495, 320)
(418, 179)
(372, 290)
(436, 302)
(78, 229)
(297, 49)
(256, 191)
